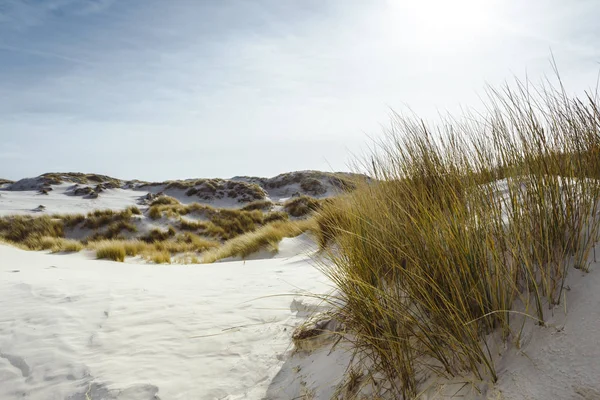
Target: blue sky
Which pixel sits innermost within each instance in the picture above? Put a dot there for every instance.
(156, 89)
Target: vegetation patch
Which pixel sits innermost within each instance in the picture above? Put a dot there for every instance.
(262, 205)
(313, 186)
(114, 251)
(266, 237)
(159, 257)
(219, 223)
(157, 235)
(164, 200)
(431, 257)
(55, 178)
(301, 205)
(54, 244)
(19, 228)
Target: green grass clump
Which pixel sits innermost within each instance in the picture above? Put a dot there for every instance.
(430, 261)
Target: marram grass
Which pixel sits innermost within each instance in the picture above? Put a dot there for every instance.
(461, 222)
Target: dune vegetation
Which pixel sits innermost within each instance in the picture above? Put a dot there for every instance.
(267, 237)
(184, 232)
(464, 224)
(302, 205)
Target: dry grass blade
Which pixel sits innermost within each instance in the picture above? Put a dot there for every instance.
(463, 220)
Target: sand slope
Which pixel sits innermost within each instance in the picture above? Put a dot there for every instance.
(72, 326)
(556, 362)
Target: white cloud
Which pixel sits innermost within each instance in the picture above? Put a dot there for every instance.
(241, 84)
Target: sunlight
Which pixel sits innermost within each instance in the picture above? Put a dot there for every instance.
(443, 22)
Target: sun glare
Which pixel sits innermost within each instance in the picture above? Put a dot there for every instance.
(441, 22)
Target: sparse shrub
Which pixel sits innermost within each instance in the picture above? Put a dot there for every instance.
(134, 210)
(131, 247)
(189, 225)
(159, 257)
(215, 231)
(266, 236)
(114, 230)
(83, 191)
(182, 185)
(198, 243)
(164, 200)
(333, 219)
(313, 186)
(236, 222)
(68, 245)
(262, 205)
(346, 182)
(134, 247)
(111, 251)
(191, 191)
(156, 235)
(55, 245)
(19, 228)
(71, 220)
(274, 216)
(101, 218)
(301, 205)
(155, 212)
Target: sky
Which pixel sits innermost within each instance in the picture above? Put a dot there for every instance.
(156, 90)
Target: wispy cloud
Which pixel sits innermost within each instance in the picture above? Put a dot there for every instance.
(43, 54)
(186, 88)
(20, 14)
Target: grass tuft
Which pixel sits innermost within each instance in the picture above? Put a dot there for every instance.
(266, 237)
(114, 251)
(262, 205)
(301, 205)
(164, 200)
(432, 255)
(159, 256)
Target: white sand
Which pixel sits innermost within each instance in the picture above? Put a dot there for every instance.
(556, 362)
(72, 325)
(60, 201)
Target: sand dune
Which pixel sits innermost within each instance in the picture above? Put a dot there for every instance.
(76, 328)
